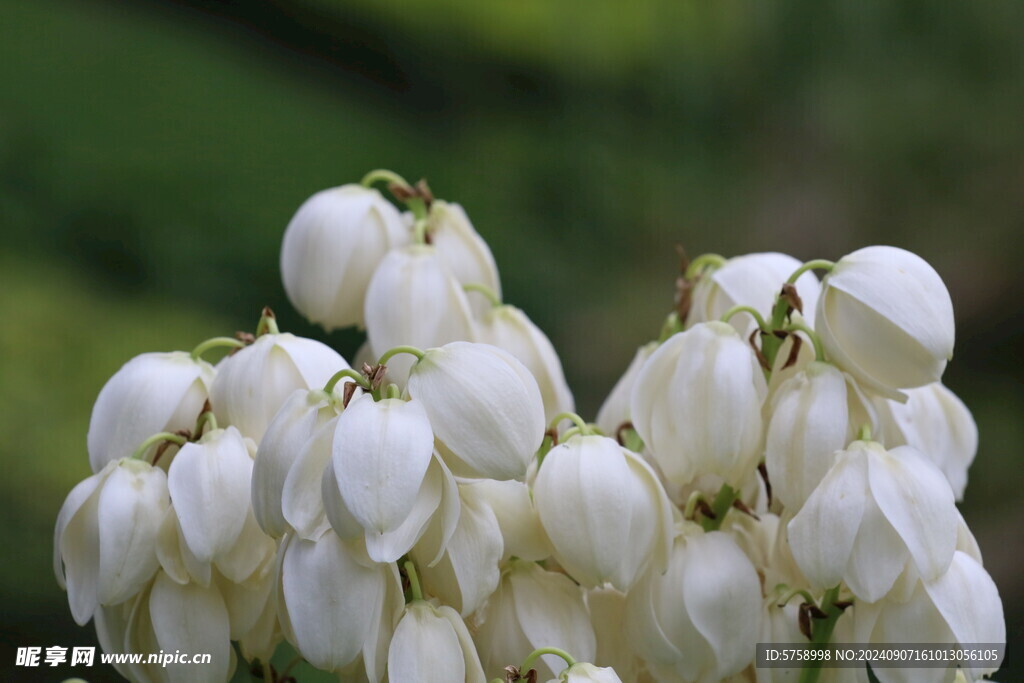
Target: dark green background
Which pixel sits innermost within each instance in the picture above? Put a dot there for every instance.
(152, 153)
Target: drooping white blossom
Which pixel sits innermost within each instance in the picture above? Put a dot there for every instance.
(432, 645)
(462, 250)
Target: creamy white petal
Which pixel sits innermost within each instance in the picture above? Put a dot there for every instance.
(616, 409)
(301, 499)
(462, 250)
(878, 556)
(191, 618)
(340, 519)
(521, 532)
(78, 497)
(390, 545)
(426, 647)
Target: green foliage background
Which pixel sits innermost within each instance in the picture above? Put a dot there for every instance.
(151, 154)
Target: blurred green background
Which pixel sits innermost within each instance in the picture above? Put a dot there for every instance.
(151, 154)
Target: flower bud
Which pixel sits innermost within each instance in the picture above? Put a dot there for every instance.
(616, 409)
(300, 416)
(253, 384)
(884, 316)
(106, 534)
(414, 299)
(533, 608)
(462, 250)
(814, 415)
(937, 423)
(582, 672)
(697, 405)
(331, 248)
(151, 393)
(508, 328)
(604, 510)
(872, 513)
(701, 619)
(751, 280)
(432, 645)
(484, 405)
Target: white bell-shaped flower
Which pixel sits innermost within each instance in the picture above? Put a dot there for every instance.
(961, 606)
(512, 503)
(462, 250)
(507, 327)
(106, 534)
(467, 573)
(151, 393)
(814, 414)
(617, 407)
(582, 672)
(300, 416)
(414, 299)
(253, 383)
(210, 483)
(533, 608)
(335, 606)
(751, 280)
(872, 513)
(697, 405)
(603, 509)
(937, 423)
(701, 619)
(432, 645)
(332, 246)
(780, 625)
(884, 316)
(484, 405)
(388, 479)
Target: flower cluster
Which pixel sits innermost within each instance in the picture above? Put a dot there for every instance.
(781, 465)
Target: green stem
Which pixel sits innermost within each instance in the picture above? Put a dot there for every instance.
(384, 175)
(533, 656)
(821, 633)
(792, 594)
(579, 421)
(671, 326)
(393, 391)
(691, 504)
(267, 325)
(157, 438)
(268, 673)
(819, 352)
(414, 580)
(745, 309)
(400, 349)
(864, 434)
(216, 342)
(489, 293)
(701, 262)
(207, 418)
(340, 374)
(816, 264)
(720, 507)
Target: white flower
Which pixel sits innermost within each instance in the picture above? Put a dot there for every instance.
(814, 414)
(616, 409)
(507, 327)
(697, 405)
(512, 503)
(331, 248)
(461, 249)
(607, 608)
(414, 299)
(300, 416)
(210, 483)
(484, 405)
(937, 423)
(533, 608)
(335, 607)
(253, 383)
(701, 619)
(751, 280)
(104, 547)
(885, 317)
(432, 645)
(872, 513)
(151, 393)
(780, 625)
(604, 511)
(960, 606)
(582, 672)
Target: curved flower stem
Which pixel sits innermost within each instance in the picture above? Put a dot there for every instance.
(157, 438)
(267, 323)
(792, 594)
(671, 325)
(533, 656)
(819, 352)
(390, 353)
(488, 293)
(821, 633)
(207, 418)
(745, 309)
(691, 504)
(414, 580)
(579, 421)
(864, 433)
(347, 372)
(378, 175)
(393, 391)
(701, 262)
(216, 342)
(727, 495)
(816, 264)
